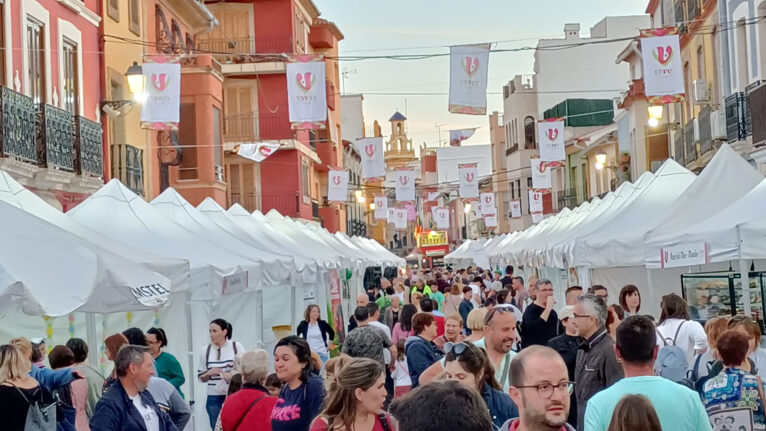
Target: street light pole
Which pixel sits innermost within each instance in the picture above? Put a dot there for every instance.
(439, 128)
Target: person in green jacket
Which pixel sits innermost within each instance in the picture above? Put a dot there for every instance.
(167, 365)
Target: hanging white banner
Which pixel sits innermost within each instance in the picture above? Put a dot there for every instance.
(405, 185)
(490, 221)
(469, 183)
(432, 196)
(440, 215)
(306, 93)
(256, 152)
(391, 215)
(371, 152)
(381, 207)
(550, 134)
(458, 136)
(337, 186)
(468, 79)
(162, 108)
(663, 70)
(537, 217)
(400, 218)
(515, 209)
(487, 199)
(535, 202)
(541, 174)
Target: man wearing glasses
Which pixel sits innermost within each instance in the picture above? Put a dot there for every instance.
(540, 388)
(540, 322)
(678, 407)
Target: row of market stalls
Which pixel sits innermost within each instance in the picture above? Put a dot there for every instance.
(669, 231)
(117, 261)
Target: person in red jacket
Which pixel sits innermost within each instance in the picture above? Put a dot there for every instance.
(250, 407)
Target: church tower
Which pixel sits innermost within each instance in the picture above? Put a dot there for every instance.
(399, 149)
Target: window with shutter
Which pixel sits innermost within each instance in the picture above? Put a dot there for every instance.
(71, 82)
(134, 16)
(36, 50)
(188, 141)
(240, 119)
(113, 9)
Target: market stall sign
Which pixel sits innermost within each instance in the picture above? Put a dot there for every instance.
(688, 254)
(432, 238)
(152, 295)
(234, 283)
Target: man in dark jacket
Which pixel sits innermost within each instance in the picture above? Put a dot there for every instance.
(127, 405)
(465, 307)
(420, 350)
(540, 322)
(567, 345)
(597, 366)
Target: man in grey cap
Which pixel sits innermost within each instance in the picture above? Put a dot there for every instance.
(566, 345)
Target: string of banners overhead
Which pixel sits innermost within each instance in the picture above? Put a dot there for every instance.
(371, 152)
(550, 134)
(536, 205)
(162, 108)
(663, 70)
(405, 185)
(469, 183)
(400, 218)
(306, 92)
(515, 209)
(337, 186)
(486, 205)
(541, 174)
(440, 216)
(381, 207)
(468, 79)
(256, 152)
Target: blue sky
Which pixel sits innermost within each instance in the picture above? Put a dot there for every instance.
(419, 26)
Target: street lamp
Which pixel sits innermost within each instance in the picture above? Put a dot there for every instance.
(600, 160)
(655, 115)
(136, 86)
(360, 197)
(136, 78)
(372, 206)
(467, 208)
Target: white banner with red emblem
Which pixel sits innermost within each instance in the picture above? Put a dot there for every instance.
(381, 207)
(535, 202)
(256, 152)
(371, 152)
(468, 79)
(469, 183)
(391, 215)
(440, 215)
(541, 174)
(405, 185)
(337, 186)
(162, 108)
(487, 198)
(515, 209)
(550, 134)
(400, 218)
(663, 69)
(490, 221)
(306, 92)
(458, 136)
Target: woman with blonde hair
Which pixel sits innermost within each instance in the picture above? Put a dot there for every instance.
(333, 367)
(634, 413)
(355, 401)
(475, 322)
(19, 392)
(700, 367)
(251, 406)
(415, 298)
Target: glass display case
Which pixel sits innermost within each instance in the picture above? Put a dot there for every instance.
(710, 295)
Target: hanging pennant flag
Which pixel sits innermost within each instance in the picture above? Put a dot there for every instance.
(663, 70)
(162, 108)
(468, 79)
(541, 174)
(535, 202)
(490, 221)
(381, 207)
(405, 185)
(551, 137)
(487, 198)
(440, 216)
(458, 136)
(371, 152)
(469, 184)
(306, 93)
(537, 217)
(256, 152)
(337, 186)
(515, 209)
(391, 216)
(400, 218)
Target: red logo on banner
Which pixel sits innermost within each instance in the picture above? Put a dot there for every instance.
(469, 176)
(336, 179)
(160, 81)
(470, 65)
(663, 54)
(487, 199)
(552, 134)
(404, 179)
(369, 149)
(305, 81)
(265, 151)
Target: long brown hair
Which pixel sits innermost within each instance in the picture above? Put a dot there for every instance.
(341, 403)
(634, 412)
(475, 361)
(673, 307)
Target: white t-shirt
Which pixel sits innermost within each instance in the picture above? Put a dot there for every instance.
(222, 358)
(151, 420)
(691, 337)
(476, 297)
(401, 374)
(386, 330)
(315, 340)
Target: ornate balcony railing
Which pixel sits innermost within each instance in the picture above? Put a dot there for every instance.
(705, 128)
(55, 138)
(18, 126)
(690, 143)
(89, 154)
(128, 166)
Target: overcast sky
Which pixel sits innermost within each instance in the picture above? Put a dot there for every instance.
(426, 27)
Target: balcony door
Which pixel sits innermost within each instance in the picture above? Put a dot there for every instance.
(36, 51)
(71, 81)
(240, 115)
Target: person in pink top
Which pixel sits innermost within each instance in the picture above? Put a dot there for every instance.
(76, 392)
(403, 327)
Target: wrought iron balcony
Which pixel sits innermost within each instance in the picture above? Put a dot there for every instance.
(737, 117)
(315, 209)
(18, 126)
(705, 130)
(128, 166)
(690, 143)
(678, 145)
(55, 138)
(89, 154)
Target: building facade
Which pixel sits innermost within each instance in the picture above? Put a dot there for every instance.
(500, 184)
(52, 135)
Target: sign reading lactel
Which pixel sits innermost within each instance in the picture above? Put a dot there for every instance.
(684, 255)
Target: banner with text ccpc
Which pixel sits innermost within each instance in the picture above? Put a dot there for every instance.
(663, 69)
(162, 108)
(306, 92)
(468, 79)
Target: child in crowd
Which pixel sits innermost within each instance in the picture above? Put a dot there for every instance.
(401, 373)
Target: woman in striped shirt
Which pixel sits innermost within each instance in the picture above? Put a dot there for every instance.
(216, 364)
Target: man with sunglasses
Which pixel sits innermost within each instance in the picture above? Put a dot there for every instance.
(540, 389)
(540, 322)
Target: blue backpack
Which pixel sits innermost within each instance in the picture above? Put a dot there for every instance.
(671, 360)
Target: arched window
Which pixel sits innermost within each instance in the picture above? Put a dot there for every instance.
(529, 133)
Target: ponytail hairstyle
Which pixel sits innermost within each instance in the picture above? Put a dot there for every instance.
(224, 325)
(475, 361)
(341, 403)
(302, 351)
(159, 333)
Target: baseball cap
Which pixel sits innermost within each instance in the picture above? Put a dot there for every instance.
(566, 312)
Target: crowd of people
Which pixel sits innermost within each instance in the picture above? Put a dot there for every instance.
(465, 350)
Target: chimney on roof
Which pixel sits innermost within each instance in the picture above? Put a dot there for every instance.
(571, 31)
